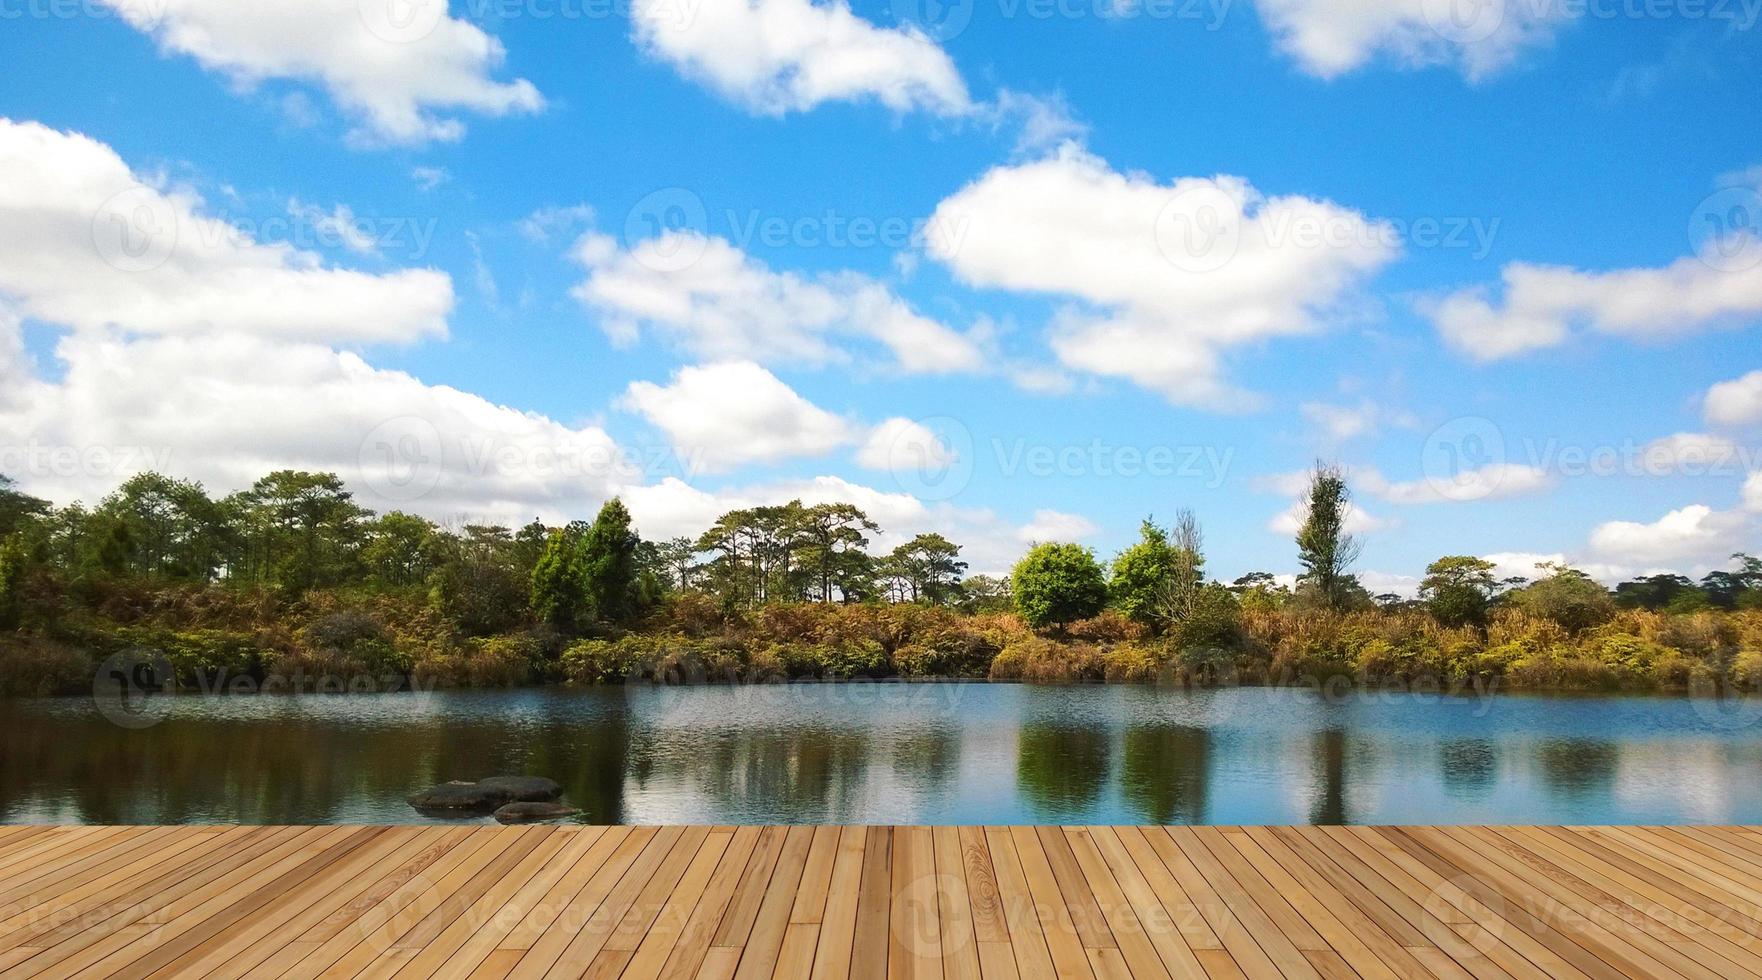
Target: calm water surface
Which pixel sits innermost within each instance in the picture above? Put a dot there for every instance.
(895, 753)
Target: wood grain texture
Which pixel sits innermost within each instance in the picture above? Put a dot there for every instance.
(873, 903)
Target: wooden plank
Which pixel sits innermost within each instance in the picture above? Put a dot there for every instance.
(881, 903)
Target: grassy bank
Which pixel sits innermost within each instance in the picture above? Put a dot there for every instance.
(360, 640)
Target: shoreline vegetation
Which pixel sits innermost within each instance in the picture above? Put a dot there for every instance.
(291, 585)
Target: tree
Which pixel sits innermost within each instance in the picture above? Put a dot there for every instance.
(985, 594)
(1055, 584)
(1324, 548)
(402, 550)
(832, 539)
(13, 559)
(1568, 597)
(1653, 591)
(679, 557)
(17, 508)
(1458, 589)
(559, 587)
(298, 530)
(174, 529)
(608, 564)
(477, 581)
(929, 569)
(1142, 576)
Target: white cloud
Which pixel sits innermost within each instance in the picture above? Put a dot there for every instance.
(1055, 526)
(902, 445)
(1494, 481)
(1696, 533)
(1541, 305)
(390, 63)
(1735, 402)
(228, 408)
(1169, 275)
(1340, 423)
(778, 56)
(1380, 583)
(338, 225)
(1331, 37)
(1753, 492)
(721, 416)
(1522, 564)
(719, 303)
(88, 244)
(428, 178)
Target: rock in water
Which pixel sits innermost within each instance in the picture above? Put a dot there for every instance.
(524, 789)
(485, 795)
(532, 812)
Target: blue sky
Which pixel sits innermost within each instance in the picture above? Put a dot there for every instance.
(1519, 272)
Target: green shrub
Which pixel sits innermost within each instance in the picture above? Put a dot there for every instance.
(32, 666)
(1057, 584)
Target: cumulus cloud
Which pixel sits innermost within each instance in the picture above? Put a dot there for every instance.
(88, 244)
(228, 408)
(1055, 526)
(1162, 277)
(1735, 402)
(1753, 492)
(902, 445)
(721, 416)
(1329, 38)
(778, 56)
(396, 65)
(1696, 534)
(719, 303)
(1541, 305)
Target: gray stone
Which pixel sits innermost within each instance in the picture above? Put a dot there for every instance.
(524, 789)
(532, 812)
(485, 794)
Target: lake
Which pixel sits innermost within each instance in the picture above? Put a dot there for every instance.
(895, 753)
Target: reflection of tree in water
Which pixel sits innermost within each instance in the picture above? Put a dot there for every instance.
(1061, 768)
(1329, 805)
(795, 775)
(1578, 766)
(1165, 772)
(284, 767)
(928, 759)
(1469, 766)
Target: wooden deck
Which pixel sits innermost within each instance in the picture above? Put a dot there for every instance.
(879, 903)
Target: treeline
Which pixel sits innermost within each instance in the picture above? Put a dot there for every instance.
(293, 576)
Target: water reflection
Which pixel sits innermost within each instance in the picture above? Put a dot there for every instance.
(1061, 768)
(931, 754)
(1469, 767)
(1164, 772)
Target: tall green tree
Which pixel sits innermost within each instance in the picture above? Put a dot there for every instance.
(402, 550)
(1458, 590)
(609, 564)
(831, 542)
(1324, 548)
(1055, 584)
(559, 585)
(928, 568)
(16, 508)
